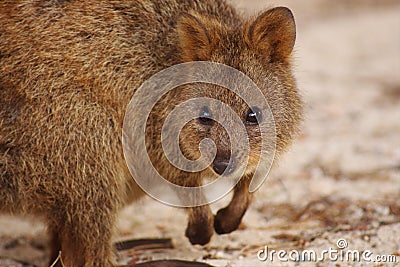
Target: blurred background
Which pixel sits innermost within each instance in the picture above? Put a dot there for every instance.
(341, 179)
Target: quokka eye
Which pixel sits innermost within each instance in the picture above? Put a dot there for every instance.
(205, 117)
(253, 116)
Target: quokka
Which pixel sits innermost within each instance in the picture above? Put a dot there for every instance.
(67, 72)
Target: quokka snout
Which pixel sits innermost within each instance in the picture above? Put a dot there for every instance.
(67, 72)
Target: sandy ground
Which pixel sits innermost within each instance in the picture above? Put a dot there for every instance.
(341, 179)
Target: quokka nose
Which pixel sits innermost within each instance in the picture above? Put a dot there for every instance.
(220, 166)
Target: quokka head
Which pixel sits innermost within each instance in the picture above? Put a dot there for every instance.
(260, 48)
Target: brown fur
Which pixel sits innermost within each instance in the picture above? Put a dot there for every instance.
(67, 72)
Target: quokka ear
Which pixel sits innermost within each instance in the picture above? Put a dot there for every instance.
(273, 34)
(197, 36)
